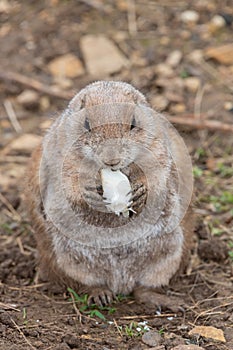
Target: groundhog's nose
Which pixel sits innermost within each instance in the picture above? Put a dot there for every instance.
(112, 162)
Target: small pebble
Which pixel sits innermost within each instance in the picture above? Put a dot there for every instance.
(196, 56)
(178, 108)
(164, 70)
(174, 58)
(228, 106)
(44, 103)
(192, 84)
(159, 102)
(66, 66)
(28, 99)
(218, 21)
(189, 16)
(152, 338)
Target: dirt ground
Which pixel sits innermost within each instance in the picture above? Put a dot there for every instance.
(167, 57)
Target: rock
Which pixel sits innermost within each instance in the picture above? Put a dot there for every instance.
(63, 83)
(187, 347)
(5, 6)
(228, 106)
(222, 54)
(66, 66)
(173, 96)
(24, 144)
(159, 102)
(189, 16)
(195, 56)
(192, 84)
(177, 108)
(122, 5)
(46, 124)
(71, 340)
(208, 332)
(185, 34)
(137, 61)
(174, 58)
(28, 99)
(164, 41)
(44, 103)
(217, 22)
(152, 338)
(164, 70)
(101, 55)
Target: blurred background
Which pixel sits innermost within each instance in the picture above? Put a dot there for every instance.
(180, 55)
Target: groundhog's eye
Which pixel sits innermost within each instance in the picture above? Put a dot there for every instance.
(87, 125)
(133, 123)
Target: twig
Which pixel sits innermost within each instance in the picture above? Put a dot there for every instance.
(23, 335)
(8, 307)
(5, 201)
(24, 287)
(76, 309)
(198, 101)
(132, 21)
(36, 85)
(146, 316)
(117, 327)
(12, 116)
(21, 248)
(211, 311)
(201, 123)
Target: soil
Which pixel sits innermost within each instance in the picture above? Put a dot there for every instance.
(32, 314)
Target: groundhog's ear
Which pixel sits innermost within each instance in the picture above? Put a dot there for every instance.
(83, 102)
(78, 102)
(139, 98)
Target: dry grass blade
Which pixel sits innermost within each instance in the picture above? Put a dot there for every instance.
(132, 21)
(36, 85)
(117, 327)
(201, 123)
(12, 116)
(212, 311)
(78, 313)
(22, 334)
(8, 307)
(5, 201)
(21, 248)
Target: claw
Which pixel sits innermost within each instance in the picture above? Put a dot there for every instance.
(101, 297)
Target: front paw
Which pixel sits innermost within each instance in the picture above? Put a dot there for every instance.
(138, 198)
(101, 296)
(92, 196)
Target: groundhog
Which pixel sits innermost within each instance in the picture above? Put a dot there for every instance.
(82, 242)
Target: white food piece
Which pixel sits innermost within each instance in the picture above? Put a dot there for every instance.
(116, 191)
